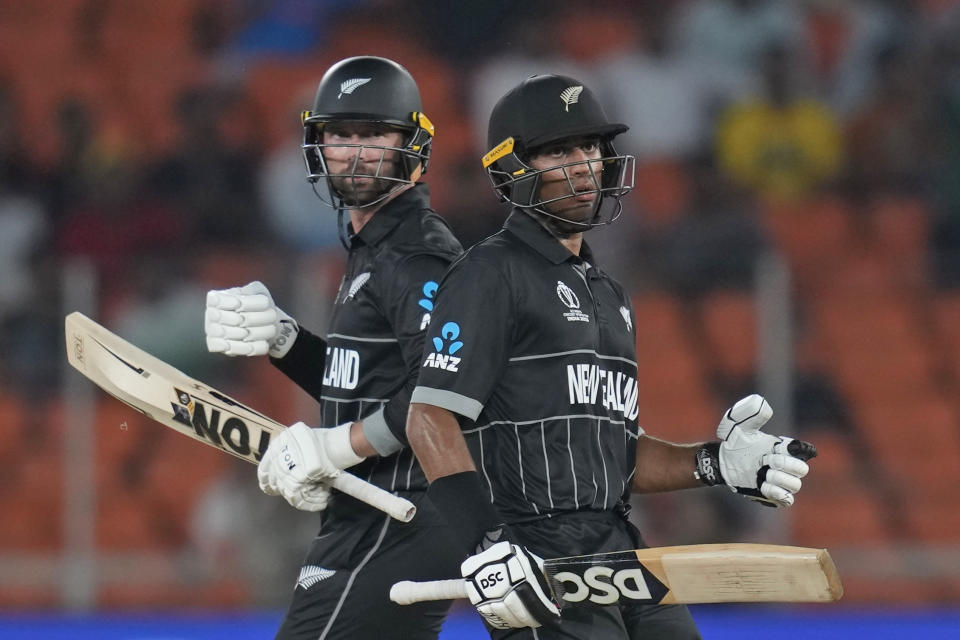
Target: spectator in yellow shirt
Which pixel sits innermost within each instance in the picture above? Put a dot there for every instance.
(784, 144)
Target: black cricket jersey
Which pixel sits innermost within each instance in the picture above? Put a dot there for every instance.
(366, 367)
(535, 347)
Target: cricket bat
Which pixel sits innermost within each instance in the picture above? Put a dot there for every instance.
(190, 407)
(700, 573)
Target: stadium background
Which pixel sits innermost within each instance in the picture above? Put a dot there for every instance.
(795, 230)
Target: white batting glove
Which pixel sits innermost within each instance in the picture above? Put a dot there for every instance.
(300, 462)
(245, 321)
(507, 586)
(763, 467)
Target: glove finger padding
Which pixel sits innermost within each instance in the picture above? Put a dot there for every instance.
(776, 496)
(265, 318)
(255, 333)
(220, 317)
(788, 464)
(265, 473)
(248, 314)
(223, 299)
(236, 347)
(784, 480)
(258, 303)
(227, 332)
(310, 497)
(251, 297)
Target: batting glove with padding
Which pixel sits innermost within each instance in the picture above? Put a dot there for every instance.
(758, 465)
(507, 586)
(300, 461)
(245, 321)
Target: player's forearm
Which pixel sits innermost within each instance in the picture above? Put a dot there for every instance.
(358, 440)
(664, 466)
(435, 437)
(455, 487)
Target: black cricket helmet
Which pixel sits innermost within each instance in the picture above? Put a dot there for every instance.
(373, 90)
(541, 111)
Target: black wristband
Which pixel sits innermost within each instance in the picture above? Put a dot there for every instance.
(708, 465)
(462, 501)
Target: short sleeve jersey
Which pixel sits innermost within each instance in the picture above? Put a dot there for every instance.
(535, 348)
(371, 354)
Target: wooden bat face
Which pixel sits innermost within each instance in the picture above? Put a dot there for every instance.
(174, 399)
(697, 573)
(166, 394)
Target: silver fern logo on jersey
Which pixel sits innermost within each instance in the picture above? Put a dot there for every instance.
(571, 302)
(571, 95)
(312, 574)
(357, 284)
(626, 318)
(351, 85)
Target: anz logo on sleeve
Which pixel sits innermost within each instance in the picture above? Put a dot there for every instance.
(426, 302)
(445, 346)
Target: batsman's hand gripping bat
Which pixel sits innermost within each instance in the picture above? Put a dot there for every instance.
(700, 573)
(190, 407)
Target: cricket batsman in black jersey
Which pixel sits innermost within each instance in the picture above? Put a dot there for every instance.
(524, 417)
(368, 138)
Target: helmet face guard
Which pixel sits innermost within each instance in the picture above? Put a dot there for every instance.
(396, 167)
(367, 89)
(518, 183)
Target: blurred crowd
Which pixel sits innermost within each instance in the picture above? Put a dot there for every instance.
(159, 143)
(733, 105)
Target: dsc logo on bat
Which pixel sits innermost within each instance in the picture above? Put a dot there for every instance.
(603, 585)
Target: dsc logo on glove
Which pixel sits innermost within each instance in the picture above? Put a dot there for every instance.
(492, 581)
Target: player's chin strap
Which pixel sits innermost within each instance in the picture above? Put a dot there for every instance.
(342, 227)
(563, 227)
(342, 232)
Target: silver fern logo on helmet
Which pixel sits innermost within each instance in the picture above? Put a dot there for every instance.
(349, 86)
(571, 95)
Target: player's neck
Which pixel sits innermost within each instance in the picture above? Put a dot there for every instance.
(360, 217)
(573, 242)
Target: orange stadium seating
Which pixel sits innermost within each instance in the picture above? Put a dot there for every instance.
(675, 402)
(870, 318)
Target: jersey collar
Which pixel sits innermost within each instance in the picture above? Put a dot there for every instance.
(531, 232)
(392, 214)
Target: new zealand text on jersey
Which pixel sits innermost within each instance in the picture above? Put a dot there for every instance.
(342, 368)
(614, 390)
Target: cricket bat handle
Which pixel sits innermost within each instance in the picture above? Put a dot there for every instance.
(396, 507)
(408, 592)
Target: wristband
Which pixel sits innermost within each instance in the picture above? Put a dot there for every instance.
(336, 441)
(707, 470)
(465, 505)
(286, 336)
